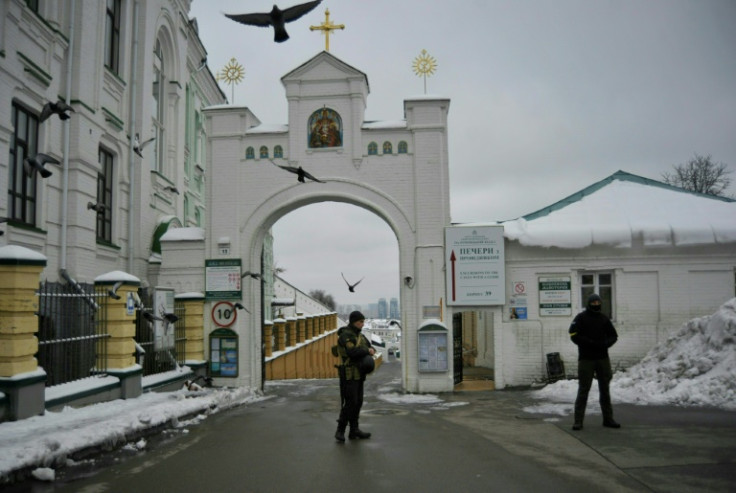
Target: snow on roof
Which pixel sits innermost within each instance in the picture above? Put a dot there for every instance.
(379, 125)
(117, 275)
(183, 234)
(268, 129)
(624, 207)
(16, 252)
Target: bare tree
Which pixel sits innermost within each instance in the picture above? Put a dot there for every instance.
(700, 174)
(324, 298)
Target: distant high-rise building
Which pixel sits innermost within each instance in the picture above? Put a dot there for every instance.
(382, 308)
(393, 309)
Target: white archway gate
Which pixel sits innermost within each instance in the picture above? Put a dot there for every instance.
(397, 170)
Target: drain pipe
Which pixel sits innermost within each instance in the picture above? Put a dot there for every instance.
(131, 154)
(65, 172)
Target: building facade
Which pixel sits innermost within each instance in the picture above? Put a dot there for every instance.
(135, 75)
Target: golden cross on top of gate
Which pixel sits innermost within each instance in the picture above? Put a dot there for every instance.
(326, 27)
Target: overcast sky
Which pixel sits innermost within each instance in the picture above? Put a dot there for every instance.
(547, 97)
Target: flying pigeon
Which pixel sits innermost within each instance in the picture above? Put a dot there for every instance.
(239, 306)
(35, 163)
(300, 172)
(276, 18)
(138, 146)
(59, 107)
(151, 317)
(98, 208)
(254, 275)
(113, 293)
(351, 287)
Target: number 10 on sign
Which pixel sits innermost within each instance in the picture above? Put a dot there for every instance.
(224, 314)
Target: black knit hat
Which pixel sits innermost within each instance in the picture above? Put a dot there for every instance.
(355, 316)
(594, 297)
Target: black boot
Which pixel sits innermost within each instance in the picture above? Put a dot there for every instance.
(610, 423)
(340, 433)
(358, 433)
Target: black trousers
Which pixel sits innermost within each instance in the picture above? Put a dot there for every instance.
(352, 401)
(601, 370)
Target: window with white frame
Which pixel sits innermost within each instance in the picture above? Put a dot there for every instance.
(22, 187)
(601, 283)
(158, 110)
(112, 36)
(104, 196)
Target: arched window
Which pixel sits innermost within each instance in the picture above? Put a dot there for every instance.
(387, 148)
(264, 152)
(403, 147)
(278, 151)
(372, 149)
(325, 129)
(250, 153)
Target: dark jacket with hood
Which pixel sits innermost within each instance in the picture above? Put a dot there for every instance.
(593, 332)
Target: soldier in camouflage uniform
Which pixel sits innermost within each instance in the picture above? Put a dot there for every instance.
(352, 348)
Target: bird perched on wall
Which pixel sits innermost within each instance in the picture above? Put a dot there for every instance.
(36, 164)
(172, 189)
(276, 18)
(138, 146)
(98, 208)
(351, 287)
(3, 220)
(301, 173)
(59, 108)
(254, 275)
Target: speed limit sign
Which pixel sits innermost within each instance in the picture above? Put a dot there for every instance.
(224, 314)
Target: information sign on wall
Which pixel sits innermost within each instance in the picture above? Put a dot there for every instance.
(222, 279)
(223, 353)
(433, 350)
(555, 296)
(474, 261)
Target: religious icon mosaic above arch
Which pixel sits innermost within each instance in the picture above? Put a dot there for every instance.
(325, 129)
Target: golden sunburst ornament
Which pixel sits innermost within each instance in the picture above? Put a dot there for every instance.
(232, 74)
(424, 65)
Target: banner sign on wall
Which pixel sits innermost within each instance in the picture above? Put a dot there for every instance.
(474, 264)
(222, 279)
(555, 296)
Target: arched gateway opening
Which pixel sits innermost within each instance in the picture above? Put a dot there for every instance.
(327, 137)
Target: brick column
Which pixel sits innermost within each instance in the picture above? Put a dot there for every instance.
(21, 379)
(321, 318)
(310, 326)
(301, 327)
(267, 338)
(279, 326)
(193, 327)
(120, 321)
(291, 329)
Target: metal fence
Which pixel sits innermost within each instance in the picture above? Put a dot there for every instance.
(72, 332)
(160, 339)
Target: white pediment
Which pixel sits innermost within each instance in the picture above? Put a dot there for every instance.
(324, 66)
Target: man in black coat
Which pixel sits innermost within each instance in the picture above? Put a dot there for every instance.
(593, 333)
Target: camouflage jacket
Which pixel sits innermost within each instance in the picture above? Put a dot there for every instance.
(352, 346)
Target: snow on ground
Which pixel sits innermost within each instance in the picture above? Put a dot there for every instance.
(694, 367)
(47, 440)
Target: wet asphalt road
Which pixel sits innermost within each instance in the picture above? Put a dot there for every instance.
(473, 441)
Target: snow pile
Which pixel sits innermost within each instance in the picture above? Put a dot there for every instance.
(694, 367)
